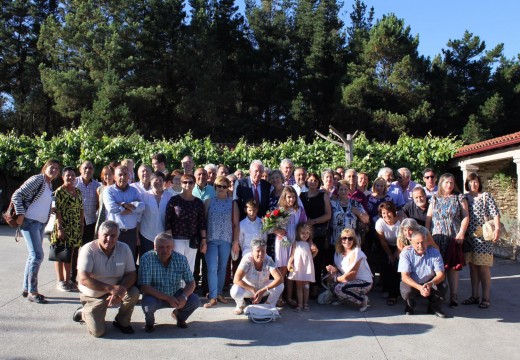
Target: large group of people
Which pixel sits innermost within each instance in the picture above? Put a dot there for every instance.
(166, 235)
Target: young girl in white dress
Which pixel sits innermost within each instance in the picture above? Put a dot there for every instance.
(301, 268)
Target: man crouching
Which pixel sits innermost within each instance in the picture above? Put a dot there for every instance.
(422, 272)
(160, 274)
(106, 278)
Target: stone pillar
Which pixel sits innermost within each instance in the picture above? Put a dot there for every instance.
(516, 159)
(467, 169)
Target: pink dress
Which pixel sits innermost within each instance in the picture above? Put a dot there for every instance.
(303, 266)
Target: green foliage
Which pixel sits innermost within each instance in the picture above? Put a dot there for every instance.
(22, 156)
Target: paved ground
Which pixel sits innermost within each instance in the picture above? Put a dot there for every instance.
(31, 331)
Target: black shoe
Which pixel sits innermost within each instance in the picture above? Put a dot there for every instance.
(77, 316)
(25, 293)
(149, 328)
(180, 323)
(410, 305)
(439, 313)
(124, 329)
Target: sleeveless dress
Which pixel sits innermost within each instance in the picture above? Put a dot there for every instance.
(220, 226)
(303, 265)
(477, 250)
(282, 253)
(70, 208)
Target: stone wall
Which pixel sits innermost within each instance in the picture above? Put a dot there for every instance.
(506, 197)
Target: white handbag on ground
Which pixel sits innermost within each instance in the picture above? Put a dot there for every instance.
(261, 313)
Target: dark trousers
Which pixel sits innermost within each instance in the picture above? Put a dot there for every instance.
(434, 300)
(200, 272)
(88, 236)
(390, 278)
(129, 237)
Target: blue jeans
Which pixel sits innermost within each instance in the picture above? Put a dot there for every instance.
(32, 232)
(217, 256)
(151, 304)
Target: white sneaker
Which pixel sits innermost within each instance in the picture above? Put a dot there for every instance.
(62, 286)
(364, 304)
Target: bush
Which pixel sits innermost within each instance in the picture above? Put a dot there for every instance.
(22, 156)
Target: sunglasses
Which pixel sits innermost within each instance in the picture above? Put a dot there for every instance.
(188, 182)
(430, 177)
(221, 186)
(347, 238)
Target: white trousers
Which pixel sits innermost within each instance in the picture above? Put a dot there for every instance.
(239, 294)
(182, 246)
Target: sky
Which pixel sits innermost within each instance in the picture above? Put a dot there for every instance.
(438, 21)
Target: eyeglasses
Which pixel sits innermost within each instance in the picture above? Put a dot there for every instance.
(430, 177)
(347, 238)
(188, 182)
(221, 186)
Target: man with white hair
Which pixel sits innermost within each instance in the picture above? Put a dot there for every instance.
(211, 170)
(287, 169)
(405, 183)
(253, 187)
(394, 191)
(161, 274)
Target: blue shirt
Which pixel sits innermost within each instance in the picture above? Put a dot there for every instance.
(166, 279)
(422, 268)
(203, 193)
(112, 199)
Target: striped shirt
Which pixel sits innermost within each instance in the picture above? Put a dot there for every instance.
(30, 191)
(90, 198)
(164, 279)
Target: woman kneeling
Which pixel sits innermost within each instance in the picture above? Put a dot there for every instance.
(252, 278)
(351, 273)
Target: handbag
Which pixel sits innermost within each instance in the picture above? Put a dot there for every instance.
(60, 252)
(194, 242)
(261, 313)
(488, 228)
(10, 216)
(50, 224)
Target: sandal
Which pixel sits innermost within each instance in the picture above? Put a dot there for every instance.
(222, 299)
(306, 308)
(471, 301)
(484, 304)
(292, 303)
(298, 308)
(453, 301)
(391, 301)
(210, 303)
(238, 310)
(280, 303)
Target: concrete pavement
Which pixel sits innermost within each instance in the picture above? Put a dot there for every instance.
(32, 331)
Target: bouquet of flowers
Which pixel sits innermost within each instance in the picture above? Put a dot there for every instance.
(276, 220)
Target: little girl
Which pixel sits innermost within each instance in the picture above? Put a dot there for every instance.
(288, 201)
(301, 266)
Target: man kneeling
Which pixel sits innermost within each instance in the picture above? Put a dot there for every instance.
(106, 278)
(422, 271)
(160, 275)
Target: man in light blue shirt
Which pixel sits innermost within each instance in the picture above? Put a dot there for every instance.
(202, 189)
(124, 206)
(422, 271)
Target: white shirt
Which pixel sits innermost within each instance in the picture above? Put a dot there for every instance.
(299, 189)
(250, 230)
(346, 263)
(39, 210)
(140, 187)
(390, 231)
(153, 218)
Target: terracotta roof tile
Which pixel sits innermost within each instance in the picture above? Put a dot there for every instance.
(498, 142)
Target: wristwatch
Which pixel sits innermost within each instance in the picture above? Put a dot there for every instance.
(184, 296)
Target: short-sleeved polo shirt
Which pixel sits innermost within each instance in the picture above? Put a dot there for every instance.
(421, 268)
(107, 269)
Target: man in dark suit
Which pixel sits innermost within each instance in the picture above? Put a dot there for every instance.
(253, 187)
